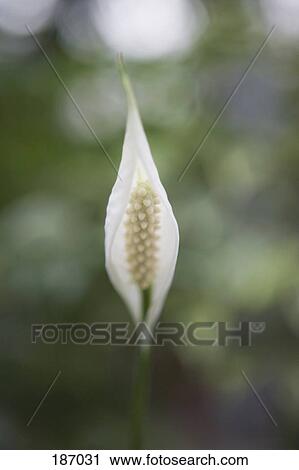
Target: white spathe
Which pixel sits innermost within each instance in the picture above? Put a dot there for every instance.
(137, 163)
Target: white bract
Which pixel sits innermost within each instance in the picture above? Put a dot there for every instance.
(141, 233)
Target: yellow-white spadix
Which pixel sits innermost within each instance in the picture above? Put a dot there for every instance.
(141, 233)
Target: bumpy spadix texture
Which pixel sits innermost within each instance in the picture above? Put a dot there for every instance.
(142, 226)
(141, 233)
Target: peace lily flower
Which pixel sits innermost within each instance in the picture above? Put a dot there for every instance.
(141, 233)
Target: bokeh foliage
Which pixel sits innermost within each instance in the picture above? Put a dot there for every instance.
(237, 209)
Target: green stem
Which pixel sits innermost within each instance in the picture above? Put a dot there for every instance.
(141, 385)
(146, 299)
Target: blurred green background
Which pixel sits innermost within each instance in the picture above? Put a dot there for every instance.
(237, 209)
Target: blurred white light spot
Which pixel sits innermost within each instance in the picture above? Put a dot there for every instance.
(16, 14)
(148, 29)
(285, 15)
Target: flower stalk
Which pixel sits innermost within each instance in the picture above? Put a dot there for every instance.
(140, 397)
